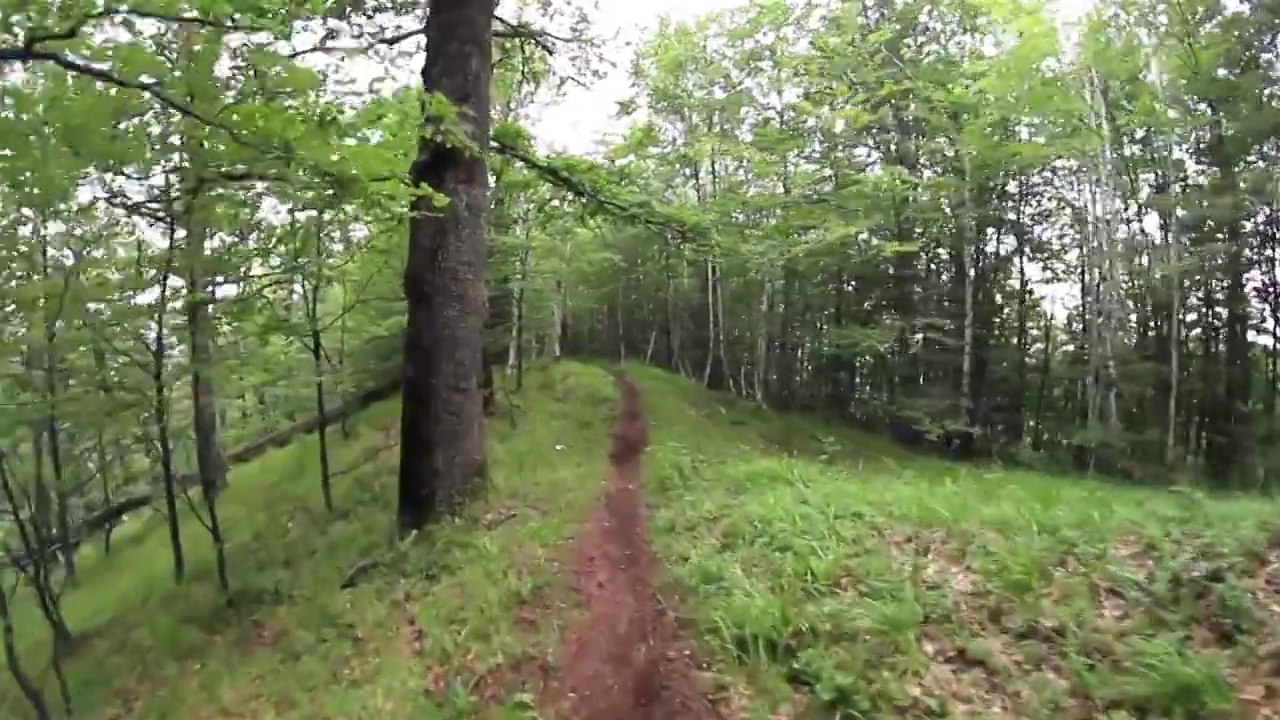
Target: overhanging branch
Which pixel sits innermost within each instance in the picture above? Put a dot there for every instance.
(634, 209)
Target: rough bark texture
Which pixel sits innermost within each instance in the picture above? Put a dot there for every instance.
(442, 432)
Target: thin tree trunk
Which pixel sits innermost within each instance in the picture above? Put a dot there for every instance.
(762, 344)
(622, 331)
(160, 404)
(711, 325)
(101, 458)
(1037, 442)
(515, 357)
(969, 246)
(27, 686)
(344, 426)
(557, 321)
(317, 365)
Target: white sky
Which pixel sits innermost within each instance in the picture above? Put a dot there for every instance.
(578, 122)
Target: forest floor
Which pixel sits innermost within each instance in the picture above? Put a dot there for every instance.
(798, 570)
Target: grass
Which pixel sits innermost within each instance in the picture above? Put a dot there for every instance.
(831, 575)
(825, 574)
(294, 645)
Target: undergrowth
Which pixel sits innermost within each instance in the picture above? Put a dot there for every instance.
(825, 574)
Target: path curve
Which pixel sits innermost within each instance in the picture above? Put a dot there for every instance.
(622, 659)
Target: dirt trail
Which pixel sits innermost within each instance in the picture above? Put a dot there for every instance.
(622, 659)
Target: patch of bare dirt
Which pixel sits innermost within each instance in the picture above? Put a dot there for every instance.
(623, 658)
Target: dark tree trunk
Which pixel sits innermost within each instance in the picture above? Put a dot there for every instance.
(497, 329)
(28, 687)
(317, 364)
(442, 457)
(160, 416)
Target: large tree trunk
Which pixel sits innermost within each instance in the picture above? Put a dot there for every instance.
(442, 423)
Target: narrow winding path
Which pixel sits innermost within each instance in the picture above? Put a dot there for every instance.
(622, 659)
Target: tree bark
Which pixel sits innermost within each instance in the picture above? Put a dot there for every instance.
(442, 458)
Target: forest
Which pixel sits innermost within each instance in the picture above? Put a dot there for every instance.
(952, 238)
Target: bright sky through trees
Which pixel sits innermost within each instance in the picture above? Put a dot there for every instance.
(577, 122)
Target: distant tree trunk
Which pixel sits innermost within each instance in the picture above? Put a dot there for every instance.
(344, 425)
(34, 544)
(42, 499)
(313, 284)
(160, 408)
(1046, 367)
(210, 462)
(713, 371)
(560, 320)
(515, 355)
(35, 698)
(62, 495)
(496, 325)
(622, 329)
(668, 310)
(1169, 228)
(1019, 422)
(317, 365)
(52, 315)
(442, 458)
(761, 363)
(209, 459)
(101, 458)
(969, 251)
(905, 376)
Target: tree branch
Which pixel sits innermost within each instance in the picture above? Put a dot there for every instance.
(507, 31)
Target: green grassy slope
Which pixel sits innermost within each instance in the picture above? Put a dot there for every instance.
(805, 556)
(895, 586)
(294, 645)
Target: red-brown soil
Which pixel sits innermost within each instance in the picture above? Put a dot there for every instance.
(623, 658)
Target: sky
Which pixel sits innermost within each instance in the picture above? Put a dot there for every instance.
(583, 116)
(578, 121)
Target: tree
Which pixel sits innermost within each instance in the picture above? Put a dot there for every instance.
(442, 455)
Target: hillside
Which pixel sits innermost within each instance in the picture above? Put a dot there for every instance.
(818, 572)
